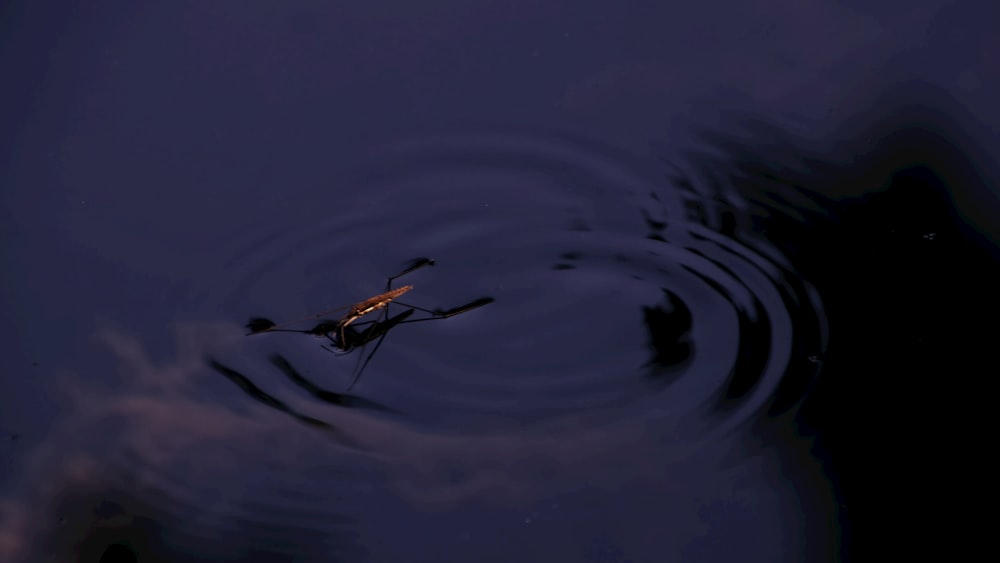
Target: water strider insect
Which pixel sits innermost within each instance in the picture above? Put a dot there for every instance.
(343, 333)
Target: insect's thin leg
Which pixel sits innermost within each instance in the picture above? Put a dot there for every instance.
(382, 329)
(358, 371)
(417, 308)
(358, 324)
(259, 325)
(342, 328)
(439, 314)
(370, 333)
(402, 318)
(415, 265)
(360, 366)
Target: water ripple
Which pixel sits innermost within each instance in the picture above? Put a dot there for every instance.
(626, 306)
(617, 295)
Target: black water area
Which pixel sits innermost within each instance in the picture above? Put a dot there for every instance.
(689, 283)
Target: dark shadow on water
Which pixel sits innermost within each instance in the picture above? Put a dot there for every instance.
(325, 395)
(669, 327)
(118, 553)
(880, 227)
(259, 395)
(897, 231)
(338, 399)
(105, 524)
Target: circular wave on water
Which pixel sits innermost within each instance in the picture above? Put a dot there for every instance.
(616, 294)
(635, 325)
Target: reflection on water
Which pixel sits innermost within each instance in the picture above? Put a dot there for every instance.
(636, 380)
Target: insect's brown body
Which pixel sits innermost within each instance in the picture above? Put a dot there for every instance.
(345, 340)
(370, 305)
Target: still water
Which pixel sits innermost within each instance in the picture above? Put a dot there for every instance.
(702, 315)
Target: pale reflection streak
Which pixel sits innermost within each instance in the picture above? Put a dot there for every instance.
(164, 415)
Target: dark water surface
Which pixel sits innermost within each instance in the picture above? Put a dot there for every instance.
(731, 265)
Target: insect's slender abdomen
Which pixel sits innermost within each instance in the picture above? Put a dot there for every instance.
(345, 339)
(378, 302)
